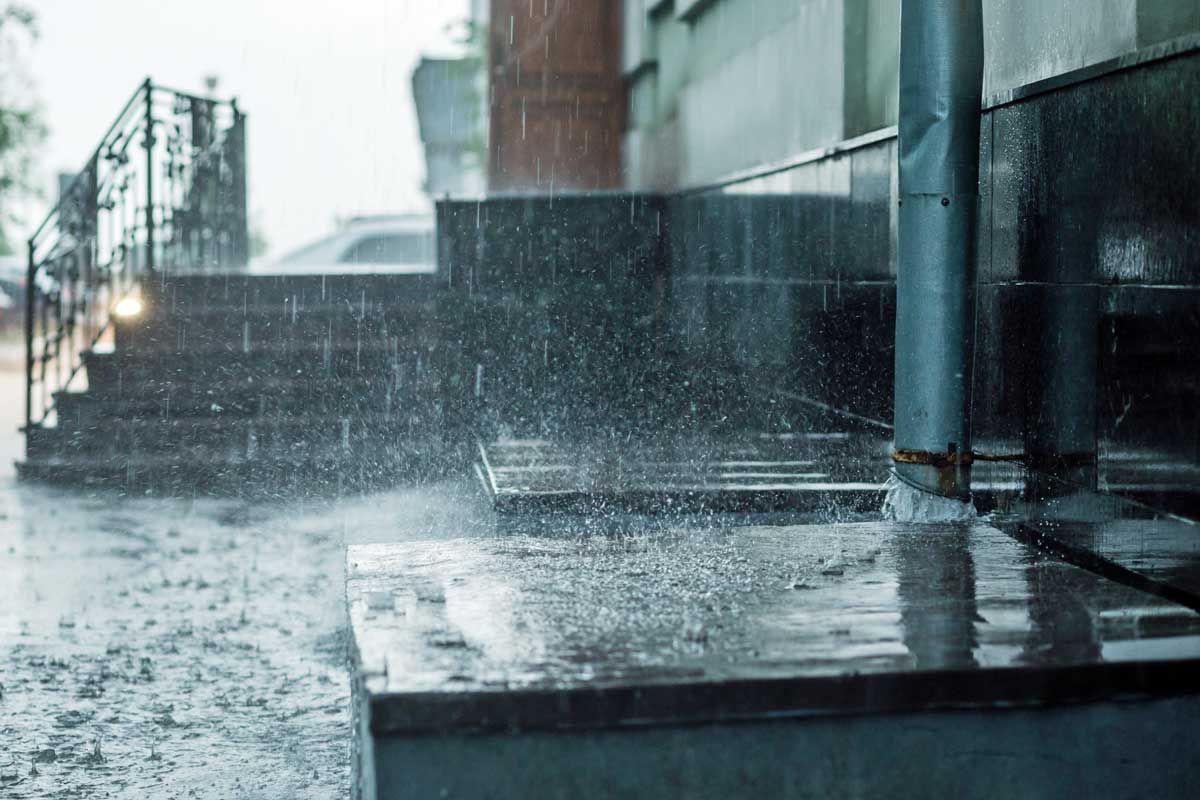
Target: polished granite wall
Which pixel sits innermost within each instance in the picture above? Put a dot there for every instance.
(790, 279)
(1089, 276)
(1088, 334)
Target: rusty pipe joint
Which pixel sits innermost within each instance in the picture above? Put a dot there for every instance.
(951, 469)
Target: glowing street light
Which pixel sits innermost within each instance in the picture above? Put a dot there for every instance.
(128, 306)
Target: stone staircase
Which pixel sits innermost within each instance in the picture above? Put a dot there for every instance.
(263, 385)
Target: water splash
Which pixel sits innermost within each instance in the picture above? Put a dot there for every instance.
(905, 503)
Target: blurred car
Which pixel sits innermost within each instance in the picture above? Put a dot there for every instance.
(402, 245)
(12, 289)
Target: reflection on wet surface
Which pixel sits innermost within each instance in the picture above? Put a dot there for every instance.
(1125, 540)
(937, 595)
(720, 607)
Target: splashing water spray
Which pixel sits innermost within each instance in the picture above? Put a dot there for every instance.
(941, 91)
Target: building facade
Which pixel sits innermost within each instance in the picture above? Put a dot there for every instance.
(716, 87)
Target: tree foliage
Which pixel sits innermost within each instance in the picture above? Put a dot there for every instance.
(21, 127)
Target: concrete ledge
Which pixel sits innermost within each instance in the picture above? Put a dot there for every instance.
(1103, 750)
(826, 659)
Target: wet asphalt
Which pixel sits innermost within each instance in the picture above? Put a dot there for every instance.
(182, 647)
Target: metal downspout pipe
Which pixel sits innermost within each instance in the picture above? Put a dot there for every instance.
(941, 90)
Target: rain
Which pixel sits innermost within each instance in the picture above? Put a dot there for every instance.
(599, 398)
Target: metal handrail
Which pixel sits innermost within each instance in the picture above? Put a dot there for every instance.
(180, 208)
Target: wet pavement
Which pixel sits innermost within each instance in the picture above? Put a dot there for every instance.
(163, 648)
(179, 648)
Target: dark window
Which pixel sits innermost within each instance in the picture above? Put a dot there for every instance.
(404, 248)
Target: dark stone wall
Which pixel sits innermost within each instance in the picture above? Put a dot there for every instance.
(790, 279)
(556, 305)
(1092, 272)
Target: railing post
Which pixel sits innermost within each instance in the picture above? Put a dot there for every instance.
(236, 143)
(148, 87)
(29, 311)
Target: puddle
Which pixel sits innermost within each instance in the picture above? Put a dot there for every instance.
(205, 660)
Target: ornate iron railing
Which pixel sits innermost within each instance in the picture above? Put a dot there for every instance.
(164, 192)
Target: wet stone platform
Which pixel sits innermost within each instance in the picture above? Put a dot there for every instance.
(825, 470)
(754, 471)
(830, 660)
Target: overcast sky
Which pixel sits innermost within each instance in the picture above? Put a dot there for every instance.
(325, 85)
